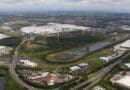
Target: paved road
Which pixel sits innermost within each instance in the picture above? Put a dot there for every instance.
(13, 66)
(96, 77)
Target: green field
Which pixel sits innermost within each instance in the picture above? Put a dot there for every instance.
(40, 55)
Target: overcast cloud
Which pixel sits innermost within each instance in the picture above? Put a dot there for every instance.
(64, 4)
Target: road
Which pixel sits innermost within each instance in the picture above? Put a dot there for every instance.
(97, 76)
(13, 66)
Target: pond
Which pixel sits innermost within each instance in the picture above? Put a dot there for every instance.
(98, 45)
(92, 47)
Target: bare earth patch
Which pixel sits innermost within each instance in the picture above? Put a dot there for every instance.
(30, 45)
(64, 56)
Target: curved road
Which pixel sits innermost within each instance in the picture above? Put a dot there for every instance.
(13, 66)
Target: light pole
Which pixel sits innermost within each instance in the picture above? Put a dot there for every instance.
(58, 34)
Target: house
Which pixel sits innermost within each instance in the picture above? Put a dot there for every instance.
(122, 47)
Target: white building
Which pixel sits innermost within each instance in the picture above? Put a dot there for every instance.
(83, 65)
(126, 44)
(125, 27)
(118, 48)
(52, 28)
(2, 36)
(5, 27)
(75, 68)
(128, 65)
(43, 75)
(106, 59)
(2, 47)
(51, 82)
(98, 88)
(27, 63)
(124, 81)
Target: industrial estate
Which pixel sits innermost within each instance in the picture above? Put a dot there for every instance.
(65, 52)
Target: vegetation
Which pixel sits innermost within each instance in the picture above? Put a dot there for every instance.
(12, 41)
(53, 46)
(40, 55)
(10, 33)
(10, 84)
(74, 39)
(106, 81)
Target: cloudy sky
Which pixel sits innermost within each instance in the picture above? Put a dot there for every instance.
(23, 5)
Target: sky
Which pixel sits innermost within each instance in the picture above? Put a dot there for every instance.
(39, 5)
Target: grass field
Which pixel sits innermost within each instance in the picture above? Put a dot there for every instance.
(10, 33)
(40, 54)
(94, 61)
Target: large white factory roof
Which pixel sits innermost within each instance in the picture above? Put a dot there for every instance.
(4, 27)
(2, 47)
(125, 81)
(126, 27)
(126, 44)
(127, 64)
(52, 28)
(2, 36)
